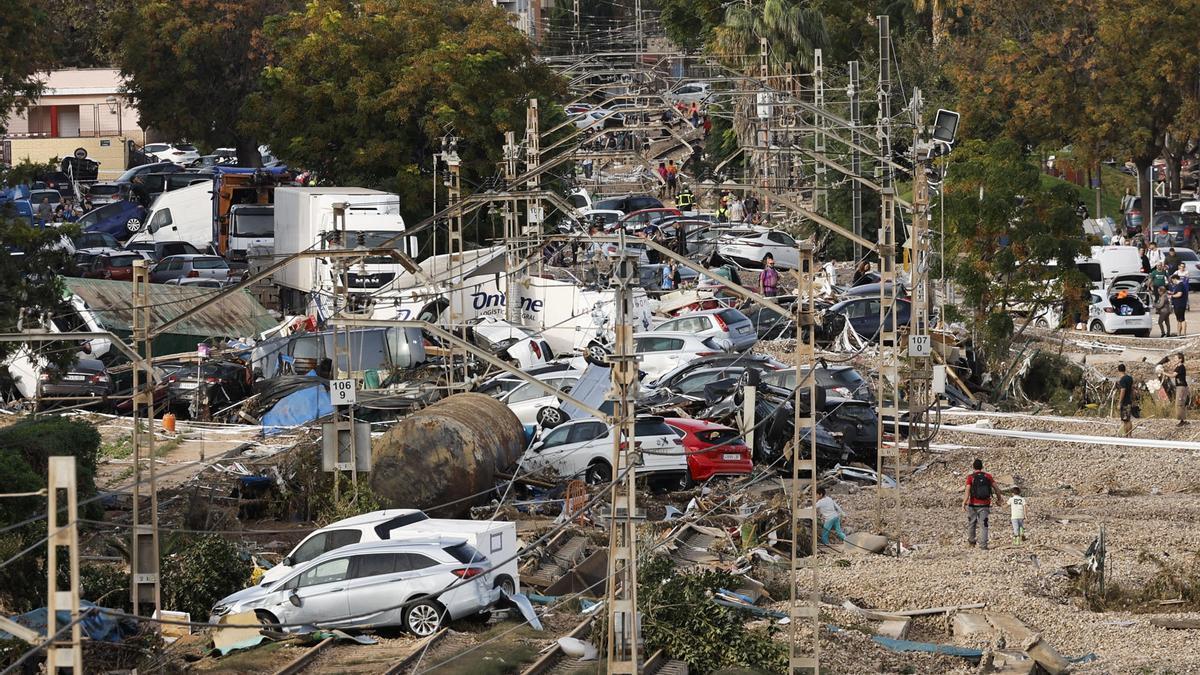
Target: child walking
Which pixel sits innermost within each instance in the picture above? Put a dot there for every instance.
(831, 514)
(1016, 506)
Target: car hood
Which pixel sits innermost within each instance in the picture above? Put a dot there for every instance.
(251, 594)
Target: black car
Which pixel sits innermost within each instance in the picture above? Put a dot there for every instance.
(863, 315)
(200, 390)
(838, 381)
(855, 420)
(87, 379)
(628, 204)
(758, 362)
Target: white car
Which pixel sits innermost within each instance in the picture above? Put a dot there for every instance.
(598, 119)
(747, 248)
(583, 448)
(1191, 263)
(606, 218)
(1124, 308)
(527, 400)
(416, 583)
(726, 324)
(692, 92)
(494, 538)
(179, 153)
(659, 352)
(509, 342)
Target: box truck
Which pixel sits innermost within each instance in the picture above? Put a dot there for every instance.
(304, 221)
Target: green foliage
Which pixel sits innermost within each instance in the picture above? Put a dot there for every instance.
(690, 23)
(562, 38)
(352, 500)
(80, 29)
(1012, 241)
(23, 52)
(106, 585)
(363, 92)
(35, 440)
(31, 282)
(679, 617)
(192, 64)
(199, 571)
(793, 29)
(25, 171)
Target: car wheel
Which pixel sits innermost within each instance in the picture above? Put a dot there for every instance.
(1143, 333)
(1096, 326)
(550, 417)
(598, 472)
(1041, 323)
(424, 617)
(506, 583)
(596, 354)
(133, 224)
(684, 481)
(265, 618)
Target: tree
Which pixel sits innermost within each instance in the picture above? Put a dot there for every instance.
(362, 92)
(1012, 243)
(690, 23)
(81, 30)
(192, 64)
(30, 261)
(793, 29)
(22, 53)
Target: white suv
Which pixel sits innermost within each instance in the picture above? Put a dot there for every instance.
(179, 153)
(747, 248)
(583, 447)
(661, 351)
(417, 584)
(495, 538)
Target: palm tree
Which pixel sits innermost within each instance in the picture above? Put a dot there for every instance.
(938, 10)
(793, 29)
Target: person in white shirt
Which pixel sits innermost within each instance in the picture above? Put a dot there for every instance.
(1154, 255)
(1016, 507)
(831, 515)
(737, 210)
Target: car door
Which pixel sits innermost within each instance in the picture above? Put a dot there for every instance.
(589, 439)
(863, 316)
(547, 452)
(658, 354)
(373, 587)
(322, 593)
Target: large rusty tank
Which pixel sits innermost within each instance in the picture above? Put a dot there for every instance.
(446, 453)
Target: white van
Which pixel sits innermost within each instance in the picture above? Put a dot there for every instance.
(185, 214)
(1117, 260)
(496, 539)
(251, 226)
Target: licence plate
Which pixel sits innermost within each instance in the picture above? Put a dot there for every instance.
(731, 456)
(74, 378)
(1130, 322)
(188, 385)
(745, 329)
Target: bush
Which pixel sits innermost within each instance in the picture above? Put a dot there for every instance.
(105, 585)
(200, 571)
(36, 440)
(679, 617)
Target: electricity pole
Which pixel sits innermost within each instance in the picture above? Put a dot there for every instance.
(920, 346)
(623, 624)
(805, 607)
(820, 196)
(458, 357)
(513, 251)
(855, 159)
(343, 365)
(143, 555)
(60, 652)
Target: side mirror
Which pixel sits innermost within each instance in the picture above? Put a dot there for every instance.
(537, 446)
(293, 598)
(287, 560)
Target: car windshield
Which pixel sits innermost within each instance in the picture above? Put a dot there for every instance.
(99, 189)
(123, 260)
(652, 427)
(1187, 255)
(465, 553)
(254, 222)
(96, 215)
(862, 413)
(719, 436)
(212, 263)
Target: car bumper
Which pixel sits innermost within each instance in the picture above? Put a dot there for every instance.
(70, 389)
(703, 467)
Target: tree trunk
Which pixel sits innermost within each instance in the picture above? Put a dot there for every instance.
(1173, 149)
(1145, 169)
(937, 22)
(247, 153)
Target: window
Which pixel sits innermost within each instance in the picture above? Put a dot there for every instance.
(863, 310)
(155, 147)
(694, 385)
(310, 549)
(306, 348)
(414, 561)
(326, 573)
(209, 264)
(384, 529)
(653, 426)
(588, 431)
(465, 553)
(161, 219)
(123, 260)
(178, 248)
(528, 392)
(557, 437)
(254, 222)
(732, 316)
(657, 344)
(374, 565)
(369, 348)
(719, 436)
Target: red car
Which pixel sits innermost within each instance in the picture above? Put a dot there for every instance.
(117, 265)
(728, 454)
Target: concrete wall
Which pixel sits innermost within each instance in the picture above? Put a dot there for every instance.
(110, 156)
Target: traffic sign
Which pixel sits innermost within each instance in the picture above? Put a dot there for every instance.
(343, 392)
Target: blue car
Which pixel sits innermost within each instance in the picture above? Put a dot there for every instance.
(18, 208)
(121, 219)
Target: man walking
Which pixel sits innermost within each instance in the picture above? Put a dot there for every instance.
(1179, 302)
(45, 212)
(1125, 404)
(1181, 391)
(981, 490)
(769, 280)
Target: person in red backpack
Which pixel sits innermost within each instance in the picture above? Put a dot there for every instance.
(981, 491)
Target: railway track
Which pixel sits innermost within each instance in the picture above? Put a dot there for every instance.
(556, 662)
(309, 660)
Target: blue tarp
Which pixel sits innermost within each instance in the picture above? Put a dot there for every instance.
(98, 625)
(298, 408)
(928, 647)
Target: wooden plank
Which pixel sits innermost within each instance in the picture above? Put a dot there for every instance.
(1177, 624)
